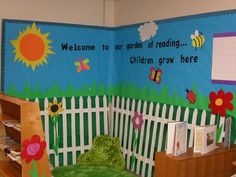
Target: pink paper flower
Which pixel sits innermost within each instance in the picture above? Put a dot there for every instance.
(137, 120)
(33, 149)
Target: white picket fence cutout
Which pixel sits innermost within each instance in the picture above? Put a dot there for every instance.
(117, 122)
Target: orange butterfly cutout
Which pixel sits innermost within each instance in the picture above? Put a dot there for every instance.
(82, 64)
(155, 75)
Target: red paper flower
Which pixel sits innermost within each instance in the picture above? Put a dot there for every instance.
(137, 120)
(33, 149)
(220, 102)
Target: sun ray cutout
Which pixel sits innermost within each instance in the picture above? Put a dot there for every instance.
(32, 47)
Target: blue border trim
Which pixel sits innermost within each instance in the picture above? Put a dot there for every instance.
(56, 24)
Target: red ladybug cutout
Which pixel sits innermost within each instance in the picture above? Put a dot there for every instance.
(191, 96)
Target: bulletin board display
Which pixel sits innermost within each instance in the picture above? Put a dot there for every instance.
(176, 61)
(50, 59)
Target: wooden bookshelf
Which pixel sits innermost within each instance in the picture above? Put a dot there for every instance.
(28, 113)
(217, 163)
(9, 168)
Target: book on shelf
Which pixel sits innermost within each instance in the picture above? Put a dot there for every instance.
(227, 137)
(11, 149)
(14, 158)
(176, 138)
(6, 143)
(204, 139)
(12, 123)
(16, 151)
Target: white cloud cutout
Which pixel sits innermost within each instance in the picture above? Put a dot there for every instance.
(147, 30)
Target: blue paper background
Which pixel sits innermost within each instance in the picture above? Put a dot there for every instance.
(111, 68)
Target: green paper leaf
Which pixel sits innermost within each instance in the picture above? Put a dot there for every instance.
(132, 160)
(58, 140)
(218, 133)
(55, 148)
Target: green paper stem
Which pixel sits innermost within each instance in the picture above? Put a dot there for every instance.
(135, 140)
(54, 120)
(218, 120)
(34, 172)
(219, 128)
(218, 133)
(132, 161)
(57, 137)
(56, 143)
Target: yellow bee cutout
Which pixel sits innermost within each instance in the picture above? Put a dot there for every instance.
(197, 39)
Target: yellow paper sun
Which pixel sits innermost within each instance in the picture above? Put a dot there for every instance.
(32, 47)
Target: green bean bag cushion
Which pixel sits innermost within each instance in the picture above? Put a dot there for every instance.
(105, 151)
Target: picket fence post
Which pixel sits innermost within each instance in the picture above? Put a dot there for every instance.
(117, 122)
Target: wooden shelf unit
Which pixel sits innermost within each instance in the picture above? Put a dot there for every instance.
(217, 163)
(28, 113)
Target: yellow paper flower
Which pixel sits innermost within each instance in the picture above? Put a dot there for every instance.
(54, 108)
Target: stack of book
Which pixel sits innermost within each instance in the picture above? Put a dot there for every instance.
(11, 148)
(6, 142)
(13, 153)
(12, 123)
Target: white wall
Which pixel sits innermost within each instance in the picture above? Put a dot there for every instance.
(107, 12)
(88, 12)
(136, 11)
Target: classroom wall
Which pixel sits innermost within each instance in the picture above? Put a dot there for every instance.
(106, 12)
(88, 12)
(137, 11)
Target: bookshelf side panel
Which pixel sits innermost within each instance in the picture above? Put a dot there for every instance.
(31, 125)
